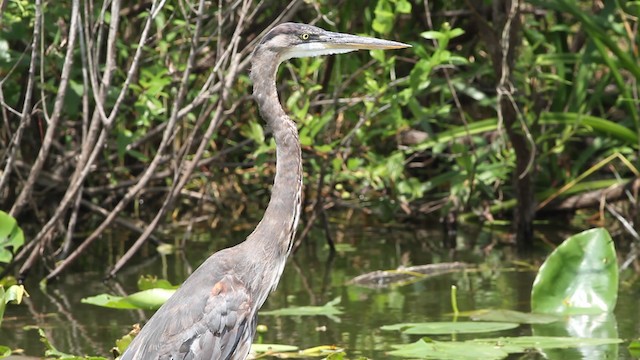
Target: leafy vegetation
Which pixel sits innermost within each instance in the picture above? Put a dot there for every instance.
(474, 123)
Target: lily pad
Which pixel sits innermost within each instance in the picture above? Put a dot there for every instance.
(579, 277)
(513, 316)
(454, 350)
(446, 327)
(150, 299)
(329, 309)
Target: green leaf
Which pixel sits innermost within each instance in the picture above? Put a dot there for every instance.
(579, 277)
(329, 309)
(5, 351)
(446, 327)
(108, 301)
(150, 299)
(513, 316)
(634, 348)
(11, 237)
(13, 294)
(454, 350)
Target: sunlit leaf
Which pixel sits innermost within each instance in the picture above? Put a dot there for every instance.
(150, 299)
(446, 327)
(11, 237)
(579, 277)
(513, 316)
(634, 348)
(13, 294)
(5, 351)
(123, 343)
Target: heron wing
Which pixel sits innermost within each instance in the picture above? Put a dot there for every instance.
(199, 322)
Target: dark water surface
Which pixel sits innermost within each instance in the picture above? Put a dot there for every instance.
(309, 279)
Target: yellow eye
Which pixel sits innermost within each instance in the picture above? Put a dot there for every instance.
(304, 36)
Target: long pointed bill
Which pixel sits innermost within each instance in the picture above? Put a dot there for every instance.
(332, 40)
(328, 43)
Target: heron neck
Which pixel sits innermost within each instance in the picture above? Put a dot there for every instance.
(276, 230)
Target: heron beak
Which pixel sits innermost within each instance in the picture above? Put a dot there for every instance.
(340, 41)
(328, 43)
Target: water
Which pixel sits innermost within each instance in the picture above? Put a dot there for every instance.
(309, 279)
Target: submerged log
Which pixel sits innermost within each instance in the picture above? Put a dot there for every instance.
(405, 275)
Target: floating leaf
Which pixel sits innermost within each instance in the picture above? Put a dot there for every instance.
(454, 350)
(579, 277)
(150, 299)
(446, 327)
(513, 316)
(329, 309)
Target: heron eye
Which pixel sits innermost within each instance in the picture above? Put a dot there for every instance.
(304, 36)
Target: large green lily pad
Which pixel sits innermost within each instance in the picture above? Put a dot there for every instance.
(579, 277)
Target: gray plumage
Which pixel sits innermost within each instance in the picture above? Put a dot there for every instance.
(213, 315)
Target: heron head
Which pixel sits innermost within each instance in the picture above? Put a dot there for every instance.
(292, 40)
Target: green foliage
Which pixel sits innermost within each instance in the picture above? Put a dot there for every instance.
(579, 277)
(13, 295)
(11, 237)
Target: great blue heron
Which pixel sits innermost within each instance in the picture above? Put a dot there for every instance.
(213, 315)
